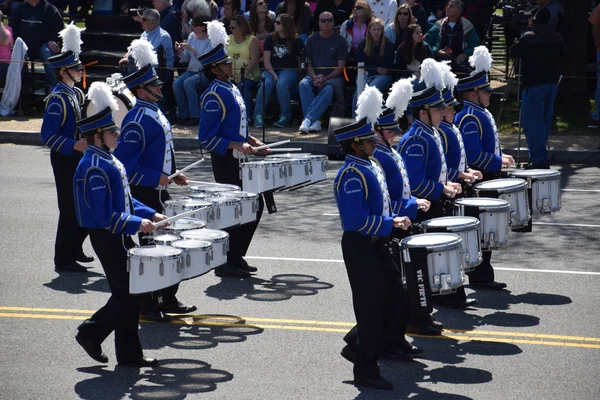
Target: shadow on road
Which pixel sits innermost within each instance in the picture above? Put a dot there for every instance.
(78, 283)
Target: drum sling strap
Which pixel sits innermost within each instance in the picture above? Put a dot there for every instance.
(418, 292)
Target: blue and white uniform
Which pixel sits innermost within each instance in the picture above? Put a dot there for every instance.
(454, 150)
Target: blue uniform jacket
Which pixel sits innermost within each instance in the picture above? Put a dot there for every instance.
(393, 177)
(216, 132)
(102, 197)
(142, 144)
(451, 149)
(478, 135)
(59, 126)
(423, 161)
(360, 199)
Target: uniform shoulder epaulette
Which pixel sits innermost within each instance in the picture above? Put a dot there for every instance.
(417, 137)
(219, 99)
(80, 95)
(57, 95)
(362, 177)
(462, 120)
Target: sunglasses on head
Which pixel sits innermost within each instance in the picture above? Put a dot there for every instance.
(326, 20)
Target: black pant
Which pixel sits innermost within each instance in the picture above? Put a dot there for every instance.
(378, 298)
(121, 312)
(69, 235)
(226, 169)
(150, 197)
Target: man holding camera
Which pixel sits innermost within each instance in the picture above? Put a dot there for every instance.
(542, 54)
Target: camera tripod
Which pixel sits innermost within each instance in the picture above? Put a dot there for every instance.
(513, 78)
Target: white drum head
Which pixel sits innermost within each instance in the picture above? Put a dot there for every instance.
(535, 173)
(240, 195)
(212, 188)
(223, 200)
(185, 224)
(154, 251)
(501, 184)
(167, 237)
(205, 234)
(193, 204)
(482, 202)
(430, 240)
(447, 222)
(191, 244)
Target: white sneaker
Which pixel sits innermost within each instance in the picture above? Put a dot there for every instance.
(315, 126)
(305, 127)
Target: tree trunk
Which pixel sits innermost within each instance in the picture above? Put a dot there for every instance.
(572, 101)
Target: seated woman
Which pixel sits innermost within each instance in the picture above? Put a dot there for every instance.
(354, 30)
(244, 49)
(301, 13)
(192, 82)
(283, 49)
(377, 52)
(411, 52)
(395, 30)
(261, 20)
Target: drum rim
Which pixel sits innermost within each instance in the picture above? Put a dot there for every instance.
(223, 238)
(202, 244)
(545, 173)
(501, 205)
(262, 164)
(517, 187)
(473, 224)
(242, 195)
(131, 253)
(230, 201)
(456, 242)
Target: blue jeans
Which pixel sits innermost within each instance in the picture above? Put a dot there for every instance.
(596, 114)
(315, 101)
(43, 54)
(537, 113)
(246, 87)
(287, 79)
(381, 82)
(186, 93)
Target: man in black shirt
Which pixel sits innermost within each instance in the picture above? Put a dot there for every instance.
(340, 9)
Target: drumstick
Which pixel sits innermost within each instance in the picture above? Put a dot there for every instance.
(268, 146)
(174, 218)
(186, 168)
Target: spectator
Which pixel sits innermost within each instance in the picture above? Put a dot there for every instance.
(354, 30)
(38, 22)
(411, 52)
(261, 20)
(543, 55)
(300, 12)
(385, 10)
(244, 49)
(556, 12)
(435, 16)
(419, 14)
(6, 42)
(230, 12)
(594, 19)
(341, 10)
(377, 52)
(170, 19)
(236, 6)
(8, 6)
(282, 52)
(194, 8)
(326, 54)
(395, 30)
(188, 84)
(453, 38)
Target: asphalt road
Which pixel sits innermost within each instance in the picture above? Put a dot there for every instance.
(278, 335)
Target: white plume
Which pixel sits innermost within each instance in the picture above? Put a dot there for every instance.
(432, 75)
(101, 96)
(216, 33)
(450, 79)
(369, 104)
(399, 97)
(117, 76)
(71, 38)
(481, 60)
(143, 53)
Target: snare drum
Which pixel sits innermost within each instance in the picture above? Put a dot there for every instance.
(249, 202)
(262, 176)
(165, 239)
(494, 216)
(152, 268)
(465, 227)
(226, 212)
(512, 190)
(196, 257)
(182, 225)
(319, 167)
(219, 240)
(204, 209)
(297, 169)
(444, 259)
(212, 189)
(544, 187)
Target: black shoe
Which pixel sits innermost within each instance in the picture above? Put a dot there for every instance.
(94, 351)
(400, 356)
(140, 362)
(424, 330)
(490, 285)
(178, 308)
(464, 304)
(410, 349)
(349, 354)
(243, 264)
(73, 267)
(155, 315)
(84, 258)
(231, 271)
(375, 383)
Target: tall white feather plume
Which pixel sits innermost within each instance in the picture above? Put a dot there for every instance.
(432, 75)
(450, 79)
(71, 38)
(369, 104)
(101, 96)
(216, 33)
(481, 60)
(142, 52)
(399, 97)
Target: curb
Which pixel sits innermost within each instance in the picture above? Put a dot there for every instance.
(557, 156)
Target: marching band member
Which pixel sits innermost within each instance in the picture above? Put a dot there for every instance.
(482, 144)
(59, 133)
(105, 206)
(224, 128)
(146, 149)
(422, 151)
(364, 205)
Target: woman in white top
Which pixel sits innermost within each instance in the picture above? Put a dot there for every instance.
(385, 10)
(187, 84)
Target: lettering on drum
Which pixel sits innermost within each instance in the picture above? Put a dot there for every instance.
(421, 285)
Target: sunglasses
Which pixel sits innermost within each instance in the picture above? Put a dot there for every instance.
(261, 3)
(326, 20)
(358, 7)
(277, 22)
(404, 13)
